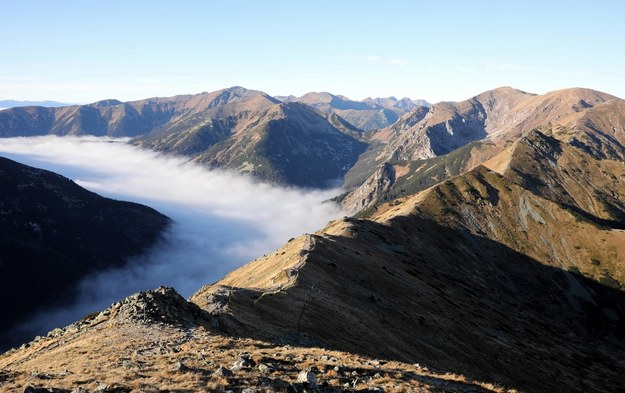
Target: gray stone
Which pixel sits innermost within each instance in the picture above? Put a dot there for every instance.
(307, 377)
(243, 362)
(32, 389)
(223, 372)
(102, 388)
(179, 366)
(265, 369)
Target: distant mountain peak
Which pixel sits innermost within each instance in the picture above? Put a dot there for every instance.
(105, 103)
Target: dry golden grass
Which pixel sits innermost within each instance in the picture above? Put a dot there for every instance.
(144, 357)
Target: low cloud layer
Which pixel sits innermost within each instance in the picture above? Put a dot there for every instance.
(221, 219)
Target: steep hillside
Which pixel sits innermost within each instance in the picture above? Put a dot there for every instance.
(283, 143)
(448, 125)
(53, 232)
(485, 275)
(453, 137)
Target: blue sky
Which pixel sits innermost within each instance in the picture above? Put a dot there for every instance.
(76, 51)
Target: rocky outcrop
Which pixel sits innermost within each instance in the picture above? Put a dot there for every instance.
(162, 305)
(373, 191)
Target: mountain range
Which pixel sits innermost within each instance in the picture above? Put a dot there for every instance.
(368, 114)
(236, 128)
(13, 103)
(486, 254)
(424, 148)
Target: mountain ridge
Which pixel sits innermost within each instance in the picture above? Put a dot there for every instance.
(453, 137)
(365, 285)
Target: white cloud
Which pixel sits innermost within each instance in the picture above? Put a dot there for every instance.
(222, 219)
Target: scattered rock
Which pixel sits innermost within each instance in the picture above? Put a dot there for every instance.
(179, 366)
(223, 372)
(102, 388)
(244, 361)
(32, 389)
(36, 374)
(307, 377)
(249, 390)
(55, 332)
(265, 369)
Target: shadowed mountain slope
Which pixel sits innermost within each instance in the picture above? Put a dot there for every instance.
(53, 232)
(282, 143)
(481, 275)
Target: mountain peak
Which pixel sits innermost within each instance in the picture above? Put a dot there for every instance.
(584, 97)
(502, 93)
(106, 103)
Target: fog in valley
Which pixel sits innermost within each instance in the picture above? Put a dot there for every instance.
(221, 219)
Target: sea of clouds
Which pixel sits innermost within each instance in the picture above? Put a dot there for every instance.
(221, 219)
